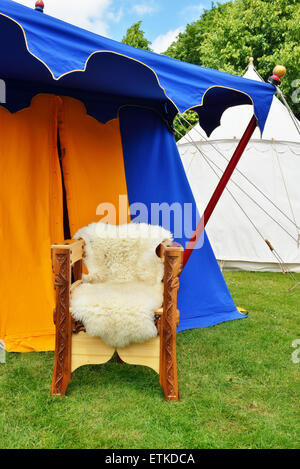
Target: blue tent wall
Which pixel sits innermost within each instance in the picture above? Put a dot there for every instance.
(155, 174)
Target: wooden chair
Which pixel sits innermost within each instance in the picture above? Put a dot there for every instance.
(74, 348)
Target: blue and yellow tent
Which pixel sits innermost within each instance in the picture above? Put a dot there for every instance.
(91, 119)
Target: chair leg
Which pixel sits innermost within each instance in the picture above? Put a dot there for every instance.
(168, 376)
(168, 363)
(63, 323)
(119, 360)
(62, 362)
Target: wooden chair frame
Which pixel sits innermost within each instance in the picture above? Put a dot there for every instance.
(67, 261)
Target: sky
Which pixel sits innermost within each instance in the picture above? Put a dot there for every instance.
(162, 20)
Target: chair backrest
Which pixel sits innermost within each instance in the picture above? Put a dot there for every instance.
(123, 253)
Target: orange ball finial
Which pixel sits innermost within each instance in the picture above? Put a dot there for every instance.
(280, 71)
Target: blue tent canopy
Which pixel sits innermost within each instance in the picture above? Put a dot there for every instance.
(48, 55)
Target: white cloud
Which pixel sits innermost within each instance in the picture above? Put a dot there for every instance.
(143, 9)
(162, 42)
(87, 14)
(193, 11)
(115, 16)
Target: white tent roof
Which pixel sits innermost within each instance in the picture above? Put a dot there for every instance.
(272, 164)
(279, 125)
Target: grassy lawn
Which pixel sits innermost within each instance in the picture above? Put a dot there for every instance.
(239, 387)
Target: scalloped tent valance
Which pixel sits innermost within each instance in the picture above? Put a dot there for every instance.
(40, 54)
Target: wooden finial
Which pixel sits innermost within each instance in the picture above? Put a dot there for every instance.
(251, 62)
(278, 73)
(39, 6)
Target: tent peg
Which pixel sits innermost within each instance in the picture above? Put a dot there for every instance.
(39, 6)
(278, 73)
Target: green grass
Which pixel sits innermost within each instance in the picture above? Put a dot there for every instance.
(239, 387)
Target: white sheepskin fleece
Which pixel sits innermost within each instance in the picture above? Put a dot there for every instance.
(123, 287)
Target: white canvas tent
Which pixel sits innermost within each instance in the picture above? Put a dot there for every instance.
(238, 228)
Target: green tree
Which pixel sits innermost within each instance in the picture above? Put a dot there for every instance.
(187, 47)
(182, 127)
(135, 37)
(228, 34)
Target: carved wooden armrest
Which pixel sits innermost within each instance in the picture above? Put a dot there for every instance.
(67, 269)
(168, 246)
(72, 247)
(171, 253)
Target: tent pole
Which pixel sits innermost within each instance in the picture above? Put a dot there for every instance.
(220, 189)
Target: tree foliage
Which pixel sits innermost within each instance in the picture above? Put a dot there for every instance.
(135, 37)
(184, 124)
(226, 35)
